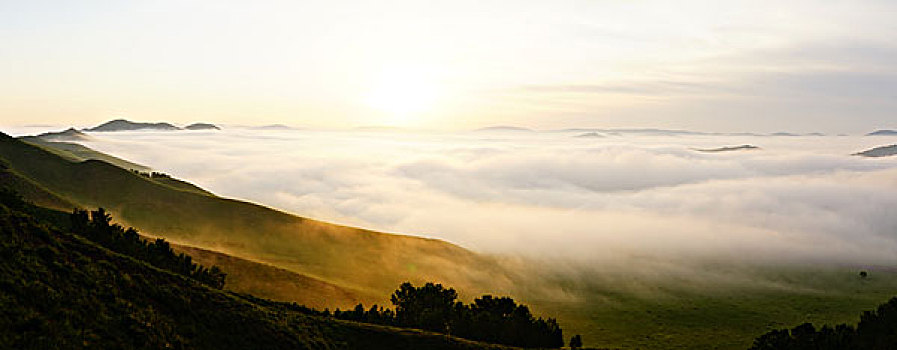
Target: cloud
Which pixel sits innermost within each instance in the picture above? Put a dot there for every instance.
(553, 196)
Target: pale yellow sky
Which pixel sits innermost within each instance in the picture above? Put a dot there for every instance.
(708, 65)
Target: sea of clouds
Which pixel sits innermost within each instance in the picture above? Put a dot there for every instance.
(551, 194)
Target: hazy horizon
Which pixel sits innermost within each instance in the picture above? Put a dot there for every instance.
(32, 129)
(552, 194)
(701, 65)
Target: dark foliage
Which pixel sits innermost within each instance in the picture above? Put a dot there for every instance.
(151, 175)
(432, 307)
(98, 228)
(576, 342)
(877, 330)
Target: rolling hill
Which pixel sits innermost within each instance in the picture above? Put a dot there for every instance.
(271, 282)
(59, 290)
(76, 152)
(366, 261)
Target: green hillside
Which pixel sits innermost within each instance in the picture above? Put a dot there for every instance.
(62, 291)
(34, 191)
(76, 152)
(362, 260)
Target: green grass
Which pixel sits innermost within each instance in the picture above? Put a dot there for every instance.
(724, 317)
(76, 152)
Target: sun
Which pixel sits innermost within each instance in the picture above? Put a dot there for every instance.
(403, 95)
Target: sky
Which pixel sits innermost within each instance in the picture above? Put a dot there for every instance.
(553, 195)
(763, 66)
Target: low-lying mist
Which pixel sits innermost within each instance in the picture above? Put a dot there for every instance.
(554, 196)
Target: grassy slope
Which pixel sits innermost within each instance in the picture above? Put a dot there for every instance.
(270, 282)
(77, 152)
(371, 262)
(59, 290)
(35, 192)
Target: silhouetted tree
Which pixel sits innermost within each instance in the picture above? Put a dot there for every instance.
(428, 307)
(97, 226)
(576, 342)
(877, 330)
(491, 319)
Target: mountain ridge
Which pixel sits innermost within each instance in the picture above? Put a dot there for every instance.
(127, 125)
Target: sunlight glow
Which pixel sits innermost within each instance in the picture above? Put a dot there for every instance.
(403, 94)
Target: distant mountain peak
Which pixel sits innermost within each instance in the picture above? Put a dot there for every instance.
(70, 134)
(882, 151)
(883, 132)
(729, 149)
(273, 127)
(126, 125)
(202, 126)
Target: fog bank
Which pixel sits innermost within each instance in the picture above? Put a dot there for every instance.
(551, 194)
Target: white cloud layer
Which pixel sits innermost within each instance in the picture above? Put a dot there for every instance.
(549, 194)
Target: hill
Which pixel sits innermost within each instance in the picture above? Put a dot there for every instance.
(127, 125)
(76, 152)
(246, 276)
(70, 134)
(355, 259)
(202, 126)
(877, 329)
(883, 151)
(882, 133)
(38, 194)
(271, 282)
(729, 149)
(63, 291)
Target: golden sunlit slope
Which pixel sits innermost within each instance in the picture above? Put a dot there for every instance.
(370, 262)
(270, 282)
(61, 290)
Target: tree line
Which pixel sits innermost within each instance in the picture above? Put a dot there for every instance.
(96, 226)
(491, 319)
(876, 330)
(151, 175)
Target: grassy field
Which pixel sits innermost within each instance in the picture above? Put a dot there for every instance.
(722, 317)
